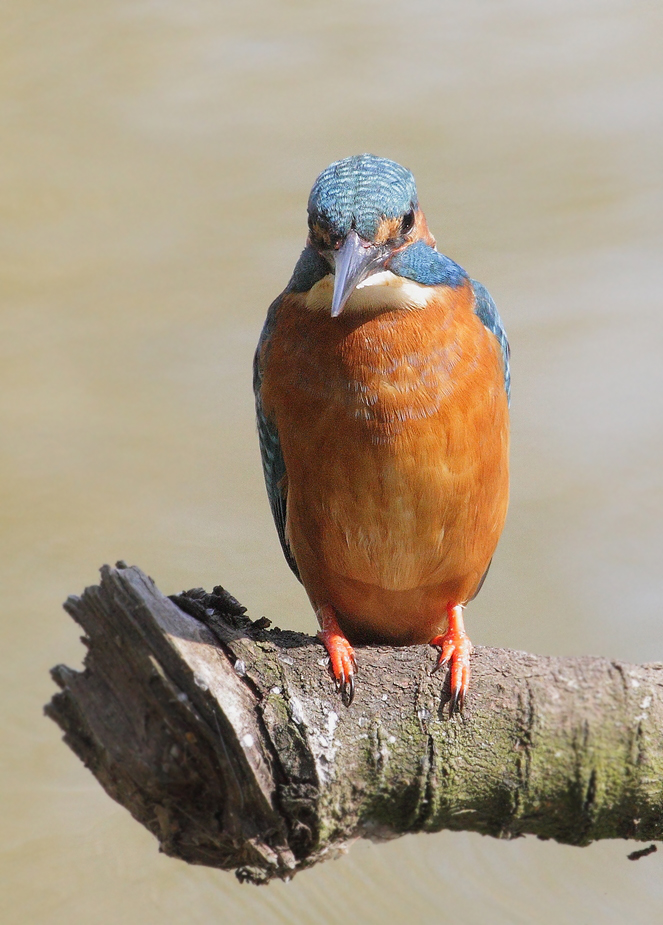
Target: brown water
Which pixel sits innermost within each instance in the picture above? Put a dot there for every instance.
(155, 163)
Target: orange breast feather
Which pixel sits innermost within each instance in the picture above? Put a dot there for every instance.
(394, 431)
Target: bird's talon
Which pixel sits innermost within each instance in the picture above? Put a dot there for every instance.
(348, 691)
(455, 650)
(342, 662)
(457, 700)
(441, 663)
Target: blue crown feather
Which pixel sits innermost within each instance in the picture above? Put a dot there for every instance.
(358, 192)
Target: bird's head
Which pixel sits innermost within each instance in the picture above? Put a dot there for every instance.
(362, 212)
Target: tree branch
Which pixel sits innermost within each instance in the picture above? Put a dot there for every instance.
(227, 741)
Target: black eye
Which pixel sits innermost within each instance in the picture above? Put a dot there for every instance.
(408, 222)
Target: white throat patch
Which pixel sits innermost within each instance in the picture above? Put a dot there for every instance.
(377, 292)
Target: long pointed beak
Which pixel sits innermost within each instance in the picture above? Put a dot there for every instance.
(353, 263)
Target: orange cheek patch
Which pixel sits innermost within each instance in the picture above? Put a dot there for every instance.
(388, 229)
(320, 237)
(420, 230)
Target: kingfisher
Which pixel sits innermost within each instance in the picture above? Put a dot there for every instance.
(382, 389)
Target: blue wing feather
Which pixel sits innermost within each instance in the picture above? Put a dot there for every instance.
(273, 465)
(486, 310)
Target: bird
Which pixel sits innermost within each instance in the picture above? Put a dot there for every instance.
(382, 386)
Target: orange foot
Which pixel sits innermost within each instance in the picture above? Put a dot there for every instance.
(341, 653)
(456, 648)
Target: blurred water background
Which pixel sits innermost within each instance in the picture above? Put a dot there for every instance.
(155, 164)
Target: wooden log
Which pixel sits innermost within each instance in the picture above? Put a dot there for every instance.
(227, 740)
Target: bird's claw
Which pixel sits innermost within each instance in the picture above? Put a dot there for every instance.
(343, 665)
(456, 649)
(346, 688)
(441, 663)
(457, 700)
(342, 661)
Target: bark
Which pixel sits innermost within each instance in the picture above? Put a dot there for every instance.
(227, 741)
